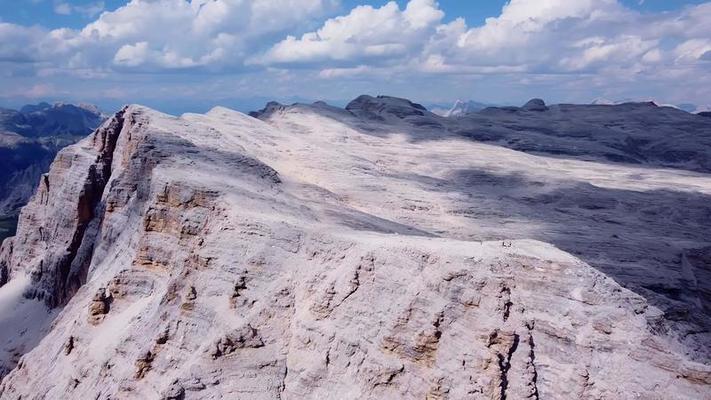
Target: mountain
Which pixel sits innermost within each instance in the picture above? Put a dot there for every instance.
(29, 140)
(633, 133)
(372, 251)
(460, 107)
(43, 120)
(688, 107)
(702, 109)
(601, 101)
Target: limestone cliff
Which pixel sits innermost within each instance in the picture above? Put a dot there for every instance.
(29, 140)
(326, 255)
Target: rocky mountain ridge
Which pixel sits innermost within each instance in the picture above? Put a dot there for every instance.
(461, 107)
(375, 251)
(29, 140)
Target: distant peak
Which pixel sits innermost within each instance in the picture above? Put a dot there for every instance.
(464, 107)
(535, 105)
(268, 109)
(30, 108)
(387, 101)
(601, 101)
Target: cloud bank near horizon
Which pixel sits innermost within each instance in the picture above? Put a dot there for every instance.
(562, 49)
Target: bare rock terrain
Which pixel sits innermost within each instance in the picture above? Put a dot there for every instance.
(29, 140)
(370, 252)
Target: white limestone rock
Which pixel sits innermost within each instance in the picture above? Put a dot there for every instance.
(330, 254)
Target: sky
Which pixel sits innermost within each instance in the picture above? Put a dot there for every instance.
(190, 55)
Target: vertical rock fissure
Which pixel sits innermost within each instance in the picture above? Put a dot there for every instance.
(532, 366)
(505, 365)
(505, 295)
(72, 268)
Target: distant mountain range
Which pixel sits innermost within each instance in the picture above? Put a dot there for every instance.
(460, 107)
(29, 140)
(463, 107)
(688, 107)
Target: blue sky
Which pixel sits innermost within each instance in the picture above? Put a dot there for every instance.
(181, 55)
(41, 12)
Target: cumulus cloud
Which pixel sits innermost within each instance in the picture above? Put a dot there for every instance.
(541, 36)
(166, 34)
(18, 43)
(88, 10)
(531, 42)
(366, 33)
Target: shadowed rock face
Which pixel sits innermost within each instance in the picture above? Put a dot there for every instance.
(535, 105)
(43, 120)
(29, 141)
(368, 107)
(631, 133)
(327, 253)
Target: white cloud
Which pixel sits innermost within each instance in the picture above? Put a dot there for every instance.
(90, 10)
(652, 56)
(523, 21)
(544, 44)
(365, 33)
(545, 35)
(131, 55)
(605, 51)
(538, 36)
(693, 50)
(19, 43)
(167, 34)
(62, 8)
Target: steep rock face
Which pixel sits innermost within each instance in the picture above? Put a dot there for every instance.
(29, 141)
(219, 256)
(54, 248)
(22, 163)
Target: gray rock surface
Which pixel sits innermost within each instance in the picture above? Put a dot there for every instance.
(364, 253)
(460, 108)
(631, 133)
(29, 141)
(535, 105)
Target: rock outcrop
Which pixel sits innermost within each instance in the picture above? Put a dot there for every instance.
(535, 105)
(57, 230)
(29, 141)
(323, 254)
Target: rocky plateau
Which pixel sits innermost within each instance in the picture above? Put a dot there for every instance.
(376, 251)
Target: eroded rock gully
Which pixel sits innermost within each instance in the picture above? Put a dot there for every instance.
(186, 268)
